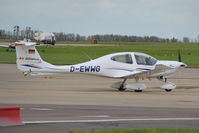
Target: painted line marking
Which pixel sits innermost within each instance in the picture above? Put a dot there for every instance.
(109, 120)
(43, 109)
(39, 109)
(98, 116)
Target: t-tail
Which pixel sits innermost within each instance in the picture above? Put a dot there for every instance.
(29, 61)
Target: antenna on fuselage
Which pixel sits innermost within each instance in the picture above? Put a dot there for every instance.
(86, 55)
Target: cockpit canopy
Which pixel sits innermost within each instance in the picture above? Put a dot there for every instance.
(140, 59)
(145, 60)
(123, 58)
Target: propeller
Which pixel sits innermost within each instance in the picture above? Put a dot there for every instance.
(179, 56)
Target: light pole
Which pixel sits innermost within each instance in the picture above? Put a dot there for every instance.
(28, 29)
(16, 32)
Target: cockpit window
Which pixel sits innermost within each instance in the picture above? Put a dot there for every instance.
(145, 60)
(125, 58)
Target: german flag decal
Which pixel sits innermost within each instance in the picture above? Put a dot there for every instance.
(31, 51)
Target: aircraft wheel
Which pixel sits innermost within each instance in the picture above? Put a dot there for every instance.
(138, 90)
(121, 89)
(168, 90)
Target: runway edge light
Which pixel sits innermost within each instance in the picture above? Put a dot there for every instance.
(10, 116)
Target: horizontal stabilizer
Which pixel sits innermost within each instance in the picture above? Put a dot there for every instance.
(22, 43)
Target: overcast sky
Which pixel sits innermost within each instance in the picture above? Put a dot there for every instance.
(163, 18)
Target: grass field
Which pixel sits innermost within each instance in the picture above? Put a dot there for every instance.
(77, 54)
(139, 131)
(5, 40)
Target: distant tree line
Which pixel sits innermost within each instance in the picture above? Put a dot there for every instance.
(110, 38)
(60, 36)
(17, 35)
(125, 38)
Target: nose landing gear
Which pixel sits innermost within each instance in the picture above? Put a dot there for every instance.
(168, 86)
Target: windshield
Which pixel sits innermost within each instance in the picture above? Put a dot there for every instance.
(145, 60)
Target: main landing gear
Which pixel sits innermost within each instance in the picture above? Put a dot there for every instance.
(122, 86)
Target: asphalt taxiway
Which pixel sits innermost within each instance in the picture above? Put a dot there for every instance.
(75, 101)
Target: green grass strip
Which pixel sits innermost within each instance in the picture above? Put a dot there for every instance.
(78, 54)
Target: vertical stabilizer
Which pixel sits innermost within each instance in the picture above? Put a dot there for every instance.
(28, 58)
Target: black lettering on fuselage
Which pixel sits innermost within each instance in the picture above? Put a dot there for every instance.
(72, 69)
(85, 69)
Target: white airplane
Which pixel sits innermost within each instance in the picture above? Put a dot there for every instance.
(123, 65)
(10, 46)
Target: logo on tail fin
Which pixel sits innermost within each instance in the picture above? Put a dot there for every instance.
(31, 51)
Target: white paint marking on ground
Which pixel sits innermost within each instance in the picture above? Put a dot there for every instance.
(109, 120)
(98, 116)
(42, 109)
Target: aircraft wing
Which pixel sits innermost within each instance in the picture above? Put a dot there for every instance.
(4, 46)
(147, 74)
